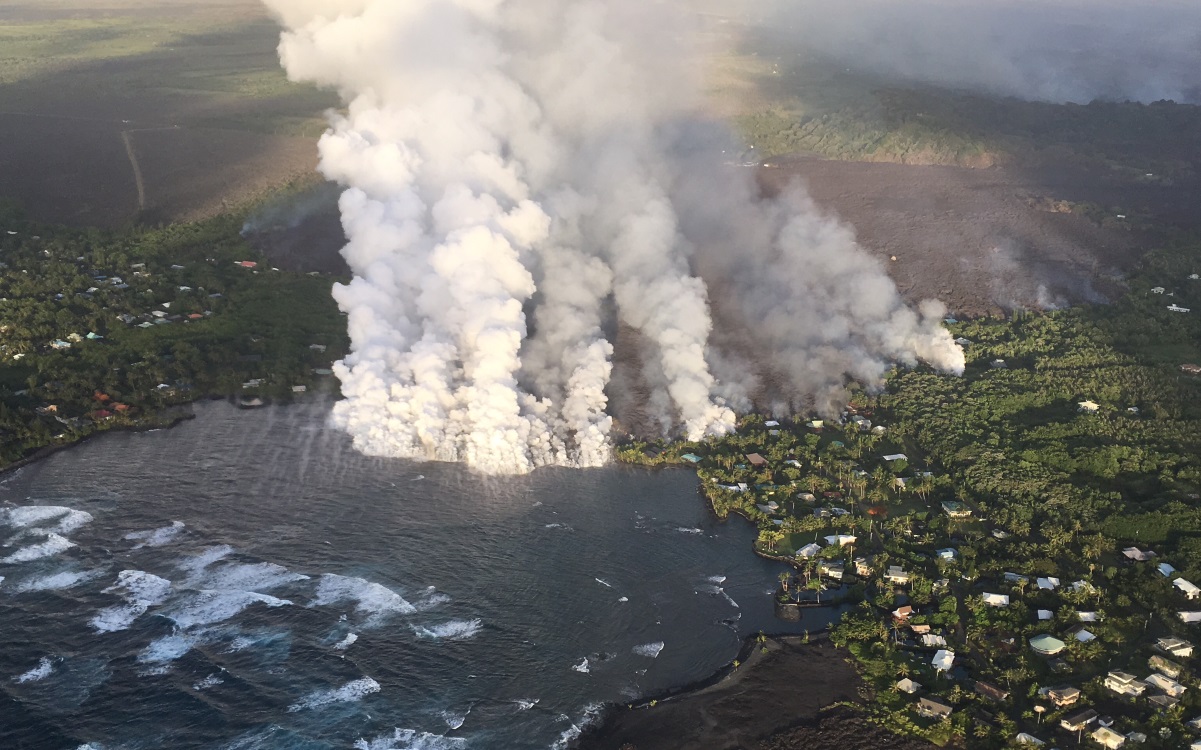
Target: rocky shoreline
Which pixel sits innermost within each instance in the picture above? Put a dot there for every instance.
(781, 693)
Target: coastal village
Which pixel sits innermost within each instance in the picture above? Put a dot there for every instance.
(1016, 553)
(102, 330)
(959, 636)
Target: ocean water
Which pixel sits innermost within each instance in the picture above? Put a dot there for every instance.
(246, 580)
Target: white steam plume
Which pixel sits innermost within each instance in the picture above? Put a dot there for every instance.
(514, 182)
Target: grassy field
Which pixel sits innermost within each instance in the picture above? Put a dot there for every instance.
(787, 101)
(194, 89)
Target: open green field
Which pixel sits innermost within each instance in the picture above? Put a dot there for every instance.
(155, 110)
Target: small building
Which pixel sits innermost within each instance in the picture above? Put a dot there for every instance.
(1108, 738)
(1082, 635)
(1125, 684)
(1088, 616)
(990, 691)
(956, 509)
(1166, 666)
(1048, 584)
(1190, 369)
(998, 364)
(1189, 590)
(1173, 646)
(862, 567)
(896, 575)
(896, 457)
(1137, 555)
(1079, 720)
(996, 600)
(902, 613)
(759, 462)
(1047, 645)
(840, 540)
(1089, 407)
(1065, 696)
(1023, 738)
(1046, 614)
(864, 425)
(299, 389)
(833, 570)
(931, 640)
(1015, 578)
(947, 553)
(1163, 700)
(691, 458)
(1158, 290)
(932, 708)
(1189, 617)
(1165, 570)
(943, 660)
(1178, 309)
(908, 686)
(809, 550)
(1165, 684)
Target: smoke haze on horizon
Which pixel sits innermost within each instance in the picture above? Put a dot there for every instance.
(1044, 50)
(520, 178)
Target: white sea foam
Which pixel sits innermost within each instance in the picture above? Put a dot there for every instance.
(31, 515)
(156, 537)
(71, 521)
(245, 577)
(208, 606)
(411, 739)
(525, 704)
(141, 591)
(169, 648)
(649, 650)
(623, 600)
(582, 666)
(53, 545)
(346, 642)
(431, 598)
(38, 673)
(372, 600)
(351, 691)
(56, 581)
(684, 530)
(716, 579)
(196, 563)
(454, 720)
(455, 630)
(570, 735)
(604, 583)
(212, 680)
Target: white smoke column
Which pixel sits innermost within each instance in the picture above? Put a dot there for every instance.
(505, 158)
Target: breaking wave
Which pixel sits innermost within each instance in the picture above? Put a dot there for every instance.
(38, 673)
(348, 693)
(649, 650)
(371, 600)
(141, 591)
(53, 545)
(156, 537)
(411, 739)
(455, 630)
(56, 581)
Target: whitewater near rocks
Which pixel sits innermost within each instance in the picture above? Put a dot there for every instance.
(536, 177)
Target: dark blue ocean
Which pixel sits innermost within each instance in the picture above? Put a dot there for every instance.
(246, 580)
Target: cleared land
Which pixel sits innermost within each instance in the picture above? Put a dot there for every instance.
(195, 90)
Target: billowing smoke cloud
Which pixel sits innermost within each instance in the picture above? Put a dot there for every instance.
(1049, 50)
(520, 179)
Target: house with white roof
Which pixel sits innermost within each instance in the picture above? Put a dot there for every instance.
(896, 457)
(1177, 647)
(1088, 616)
(931, 640)
(809, 550)
(943, 660)
(1126, 684)
(1189, 617)
(908, 686)
(1166, 684)
(840, 540)
(1046, 614)
(1108, 738)
(1089, 407)
(996, 600)
(1138, 555)
(1189, 590)
(1048, 584)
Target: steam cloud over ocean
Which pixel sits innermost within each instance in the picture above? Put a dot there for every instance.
(522, 176)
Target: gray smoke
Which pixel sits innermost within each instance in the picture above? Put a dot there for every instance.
(517, 173)
(1050, 50)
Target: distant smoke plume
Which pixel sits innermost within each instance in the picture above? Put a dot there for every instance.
(1049, 50)
(520, 177)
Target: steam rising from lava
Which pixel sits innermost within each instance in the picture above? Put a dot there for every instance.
(523, 174)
